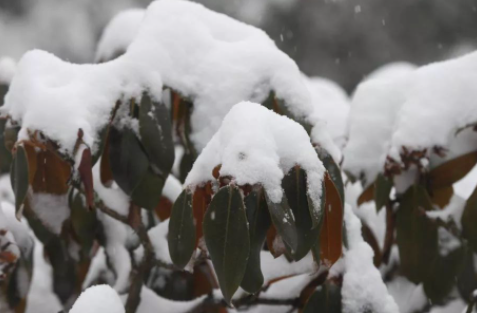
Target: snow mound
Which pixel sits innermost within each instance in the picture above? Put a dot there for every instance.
(391, 70)
(209, 58)
(257, 146)
(98, 299)
(423, 110)
(332, 105)
(58, 98)
(363, 288)
(119, 33)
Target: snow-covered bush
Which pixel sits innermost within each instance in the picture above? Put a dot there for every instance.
(196, 169)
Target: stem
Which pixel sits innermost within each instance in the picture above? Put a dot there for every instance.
(138, 274)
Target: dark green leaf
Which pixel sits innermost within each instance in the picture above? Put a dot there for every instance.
(156, 135)
(181, 237)
(382, 189)
(416, 234)
(295, 187)
(258, 223)
(227, 238)
(326, 299)
(442, 275)
(149, 191)
(131, 170)
(83, 221)
(20, 176)
(284, 221)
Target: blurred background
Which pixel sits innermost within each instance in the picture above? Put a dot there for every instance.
(338, 39)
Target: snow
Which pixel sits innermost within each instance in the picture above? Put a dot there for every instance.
(332, 104)
(179, 44)
(420, 110)
(41, 298)
(257, 146)
(374, 108)
(18, 229)
(58, 98)
(51, 209)
(363, 288)
(7, 70)
(409, 297)
(98, 299)
(119, 33)
(172, 188)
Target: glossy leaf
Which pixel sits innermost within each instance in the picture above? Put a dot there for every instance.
(326, 299)
(416, 234)
(284, 222)
(452, 171)
(227, 237)
(331, 235)
(258, 223)
(129, 162)
(181, 237)
(131, 169)
(156, 135)
(295, 186)
(200, 202)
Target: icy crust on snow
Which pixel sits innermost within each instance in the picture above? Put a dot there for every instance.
(420, 110)
(58, 98)
(7, 70)
(119, 33)
(257, 146)
(363, 288)
(332, 105)
(98, 299)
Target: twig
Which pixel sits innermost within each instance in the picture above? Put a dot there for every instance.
(138, 274)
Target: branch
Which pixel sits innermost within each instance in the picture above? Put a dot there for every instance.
(245, 302)
(138, 274)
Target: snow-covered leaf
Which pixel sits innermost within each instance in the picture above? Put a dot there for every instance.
(156, 134)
